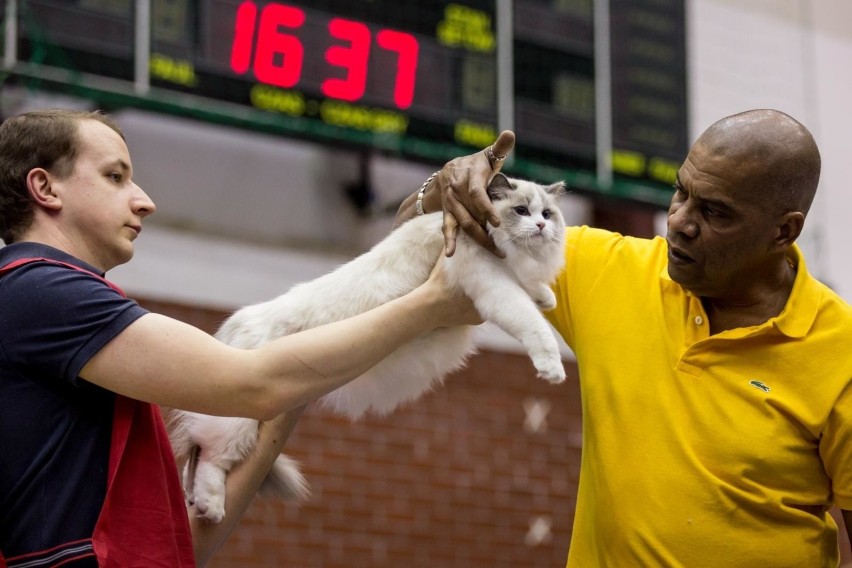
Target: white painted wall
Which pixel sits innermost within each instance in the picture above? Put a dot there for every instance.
(833, 76)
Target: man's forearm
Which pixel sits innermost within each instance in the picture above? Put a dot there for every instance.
(431, 203)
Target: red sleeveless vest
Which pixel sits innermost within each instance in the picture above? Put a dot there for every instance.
(143, 521)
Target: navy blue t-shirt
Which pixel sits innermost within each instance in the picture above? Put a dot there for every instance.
(54, 427)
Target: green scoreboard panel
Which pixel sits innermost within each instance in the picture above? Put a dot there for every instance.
(414, 78)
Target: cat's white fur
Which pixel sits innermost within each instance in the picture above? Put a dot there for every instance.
(507, 292)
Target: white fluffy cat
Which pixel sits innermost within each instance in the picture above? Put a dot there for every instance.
(507, 292)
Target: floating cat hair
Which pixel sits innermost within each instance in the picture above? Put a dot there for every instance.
(508, 292)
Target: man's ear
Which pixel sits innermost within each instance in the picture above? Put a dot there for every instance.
(789, 229)
(40, 188)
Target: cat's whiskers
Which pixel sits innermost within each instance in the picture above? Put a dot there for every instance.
(510, 239)
(527, 240)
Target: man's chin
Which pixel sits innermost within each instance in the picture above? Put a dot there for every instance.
(683, 276)
(123, 256)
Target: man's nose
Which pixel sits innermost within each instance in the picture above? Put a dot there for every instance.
(680, 220)
(143, 205)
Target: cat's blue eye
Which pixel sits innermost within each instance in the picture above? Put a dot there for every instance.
(546, 213)
(521, 210)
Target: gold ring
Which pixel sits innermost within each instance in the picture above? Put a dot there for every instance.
(489, 153)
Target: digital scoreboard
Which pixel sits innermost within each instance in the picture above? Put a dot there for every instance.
(416, 78)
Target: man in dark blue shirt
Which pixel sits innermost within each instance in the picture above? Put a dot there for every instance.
(85, 468)
(54, 320)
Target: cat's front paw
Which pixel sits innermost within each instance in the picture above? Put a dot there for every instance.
(545, 299)
(551, 370)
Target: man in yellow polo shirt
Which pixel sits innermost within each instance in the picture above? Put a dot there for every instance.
(703, 450)
(716, 371)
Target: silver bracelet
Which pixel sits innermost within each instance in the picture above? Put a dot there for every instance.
(418, 205)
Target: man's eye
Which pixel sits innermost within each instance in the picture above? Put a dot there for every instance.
(521, 210)
(114, 176)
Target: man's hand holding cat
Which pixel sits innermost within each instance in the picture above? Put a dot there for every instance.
(463, 184)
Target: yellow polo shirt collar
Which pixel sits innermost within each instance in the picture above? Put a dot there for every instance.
(798, 315)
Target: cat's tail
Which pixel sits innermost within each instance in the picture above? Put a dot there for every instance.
(286, 481)
(177, 425)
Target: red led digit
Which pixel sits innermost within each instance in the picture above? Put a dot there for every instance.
(406, 47)
(352, 58)
(279, 56)
(243, 37)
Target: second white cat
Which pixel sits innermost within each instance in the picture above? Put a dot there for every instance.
(509, 293)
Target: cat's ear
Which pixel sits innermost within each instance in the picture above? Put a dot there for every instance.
(556, 189)
(499, 188)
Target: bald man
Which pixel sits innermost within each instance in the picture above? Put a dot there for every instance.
(715, 371)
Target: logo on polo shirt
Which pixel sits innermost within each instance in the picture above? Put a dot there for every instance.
(757, 384)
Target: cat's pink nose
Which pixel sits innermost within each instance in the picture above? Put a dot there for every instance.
(540, 225)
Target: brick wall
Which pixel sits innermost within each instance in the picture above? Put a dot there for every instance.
(482, 472)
